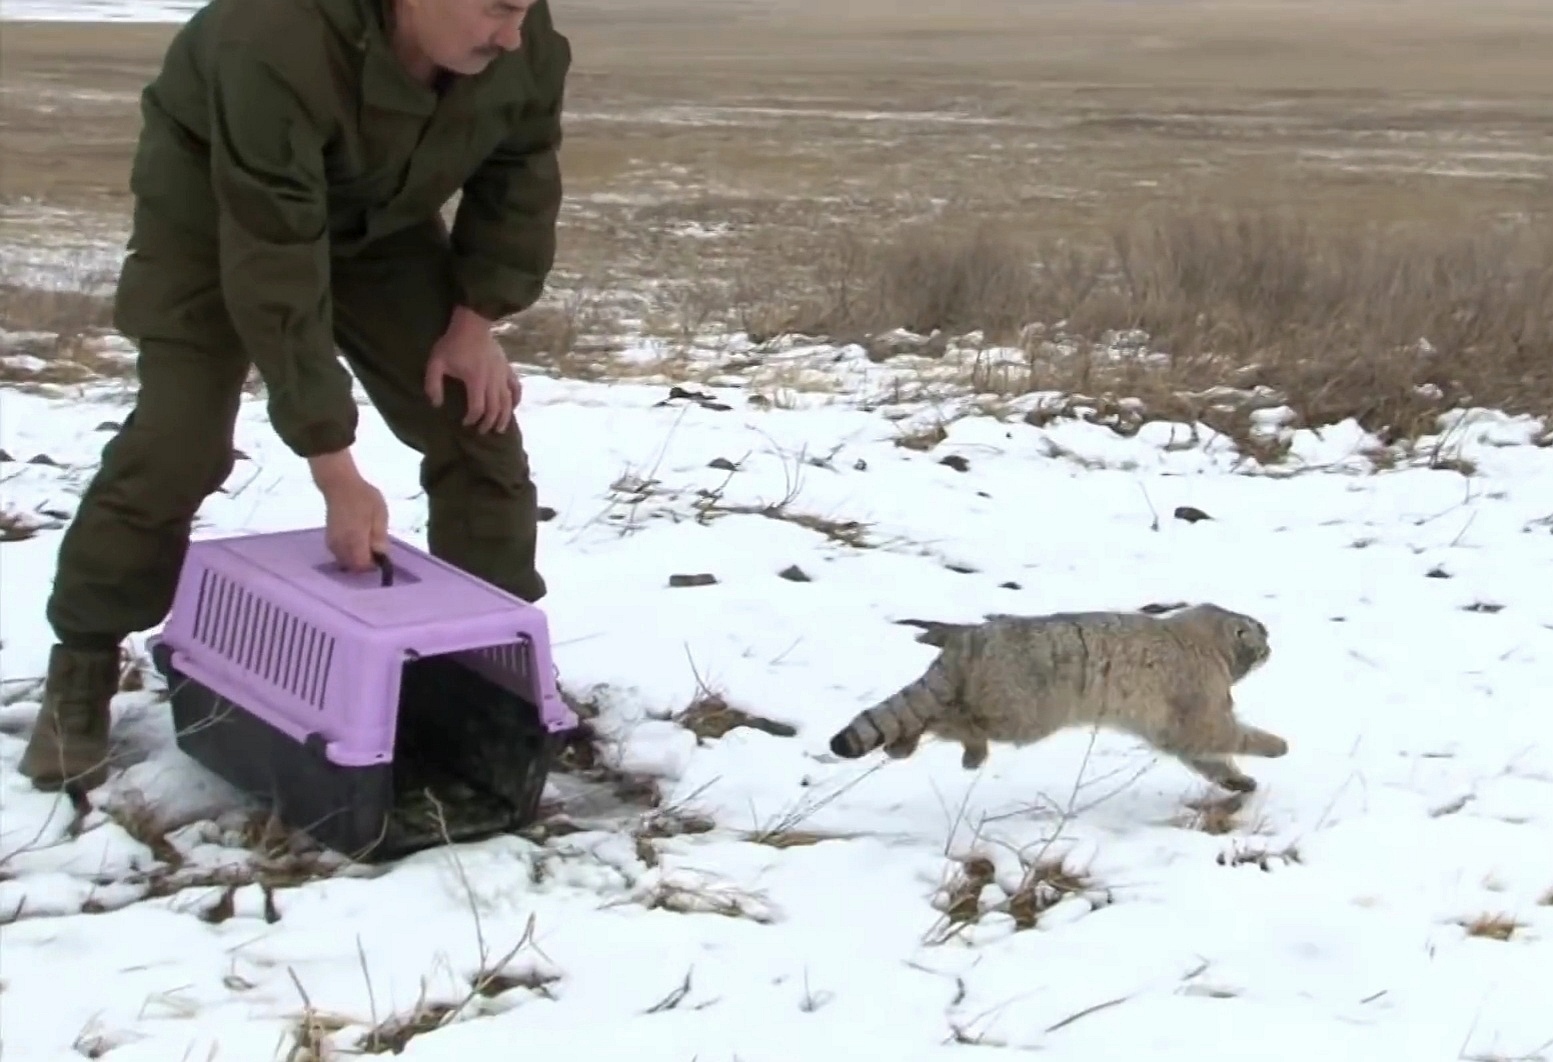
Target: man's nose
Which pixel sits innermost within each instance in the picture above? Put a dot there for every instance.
(510, 36)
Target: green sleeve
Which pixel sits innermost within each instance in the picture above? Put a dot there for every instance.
(267, 171)
(504, 229)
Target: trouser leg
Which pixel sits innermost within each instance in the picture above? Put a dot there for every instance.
(120, 557)
(390, 306)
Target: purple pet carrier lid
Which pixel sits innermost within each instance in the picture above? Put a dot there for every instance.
(417, 589)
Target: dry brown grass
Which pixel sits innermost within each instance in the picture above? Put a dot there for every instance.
(710, 716)
(1215, 816)
(1492, 926)
(279, 858)
(1389, 327)
(1262, 857)
(60, 311)
(848, 170)
(972, 893)
(276, 858)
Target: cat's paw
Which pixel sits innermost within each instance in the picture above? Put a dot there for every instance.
(1238, 783)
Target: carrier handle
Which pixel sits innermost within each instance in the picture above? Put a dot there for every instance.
(385, 566)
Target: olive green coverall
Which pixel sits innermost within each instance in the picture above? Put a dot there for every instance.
(287, 186)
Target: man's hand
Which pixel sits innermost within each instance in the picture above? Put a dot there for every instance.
(468, 352)
(357, 515)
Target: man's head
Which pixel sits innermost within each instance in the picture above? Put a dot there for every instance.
(462, 36)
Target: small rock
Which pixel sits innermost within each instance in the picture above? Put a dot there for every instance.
(109, 425)
(794, 574)
(1010, 585)
(700, 398)
(546, 514)
(983, 494)
(1191, 514)
(1157, 608)
(1437, 572)
(963, 569)
(5, 456)
(956, 462)
(43, 459)
(860, 465)
(698, 579)
(722, 464)
(1484, 606)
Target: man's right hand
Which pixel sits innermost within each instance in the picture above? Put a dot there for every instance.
(356, 514)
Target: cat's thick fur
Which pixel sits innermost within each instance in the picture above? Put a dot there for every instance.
(1019, 679)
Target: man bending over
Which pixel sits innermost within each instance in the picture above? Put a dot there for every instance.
(293, 162)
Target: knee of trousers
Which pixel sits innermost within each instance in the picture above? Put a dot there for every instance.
(165, 473)
(465, 469)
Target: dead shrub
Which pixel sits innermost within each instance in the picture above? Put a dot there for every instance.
(929, 279)
(1388, 325)
(1491, 926)
(58, 311)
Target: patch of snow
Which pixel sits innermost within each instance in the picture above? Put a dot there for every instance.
(1412, 650)
(99, 10)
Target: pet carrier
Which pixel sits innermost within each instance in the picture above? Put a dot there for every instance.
(380, 712)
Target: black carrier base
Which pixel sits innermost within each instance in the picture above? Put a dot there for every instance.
(470, 761)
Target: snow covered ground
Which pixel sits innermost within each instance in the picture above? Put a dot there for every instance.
(98, 10)
(780, 904)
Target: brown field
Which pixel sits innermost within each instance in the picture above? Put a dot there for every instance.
(1309, 186)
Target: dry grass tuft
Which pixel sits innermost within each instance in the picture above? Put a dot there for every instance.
(784, 839)
(850, 533)
(962, 897)
(1263, 858)
(923, 439)
(278, 858)
(710, 716)
(972, 893)
(394, 1034)
(492, 977)
(312, 1031)
(665, 823)
(66, 311)
(39, 359)
(684, 892)
(1215, 815)
(1046, 883)
(1390, 326)
(1492, 926)
(927, 277)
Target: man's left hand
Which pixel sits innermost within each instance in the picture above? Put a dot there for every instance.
(470, 354)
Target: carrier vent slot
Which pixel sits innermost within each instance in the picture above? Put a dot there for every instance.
(262, 638)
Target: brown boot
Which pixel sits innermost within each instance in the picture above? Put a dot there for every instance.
(69, 744)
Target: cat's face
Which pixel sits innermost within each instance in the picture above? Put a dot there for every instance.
(1244, 639)
(1251, 645)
